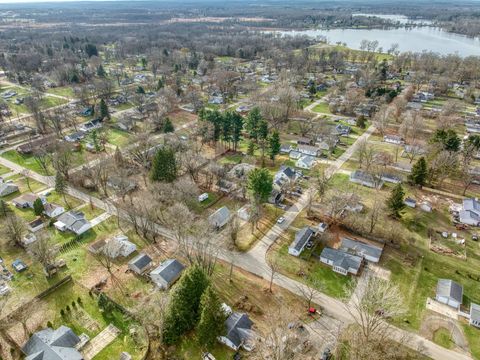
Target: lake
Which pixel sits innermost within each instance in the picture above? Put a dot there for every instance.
(415, 39)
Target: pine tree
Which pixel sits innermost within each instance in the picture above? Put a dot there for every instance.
(395, 202)
(419, 173)
(104, 112)
(164, 166)
(260, 184)
(61, 186)
(168, 126)
(252, 123)
(38, 207)
(251, 148)
(361, 122)
(237, 127)
(274, 148)
(101, 71)
(212, 319)
(263, 137)
(182, 313)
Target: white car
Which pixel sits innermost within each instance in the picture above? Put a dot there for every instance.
(280, 220)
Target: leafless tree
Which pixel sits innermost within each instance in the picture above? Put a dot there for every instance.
(274, 269)
(44, 251)
(311, 291)
(105, 258)
(14, 228)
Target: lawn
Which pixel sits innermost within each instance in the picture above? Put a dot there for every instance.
(199, 207)
(86, 317)
(65, 91)
(118, 137)
(443, 338)
(322, 108)
(70, 203)
(473, 334)
(4, 170)
(51, 101)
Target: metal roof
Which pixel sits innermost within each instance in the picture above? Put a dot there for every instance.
(301, 238)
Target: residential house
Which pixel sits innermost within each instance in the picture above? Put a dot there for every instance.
(239, 333)
(125, 123)
(393, 139)
(165, 275)
(369, 252)
(305, 162)
(26, 200)
(19, 266)
(410, 202)
(294, 155)
(302, 237)
(449, 293)
(121, 184)
(285, 148)
(426, 206)
(309, 150)
(363, 178)
(75, 137)
(35, 225)
(73, 221)
(8, 188)
(343, 130)
(475, 315)
(53, 210)
(140, 263)
(49, 344)
(91, 125)
(423, 96)
(341, 262)
(219, 218)
(98, 246)
(44, 143)
(29, 238)
(276, 197)
(285, 175)
(119, 245)
(391, 178)
(305, 141)
(470, 212)
(416, 106)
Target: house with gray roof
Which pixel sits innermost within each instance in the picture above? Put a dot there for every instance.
(470, 212)
(363, 178)
(49, 344)
(449, 293)
(341, 261)
(309, 150)
(305, 162)
(167, 273)
(8, 188)
(301, 239)
(239, 333)
(368, 252)
(475, 315)
(74, 221)
(219, 218)
(140, 263)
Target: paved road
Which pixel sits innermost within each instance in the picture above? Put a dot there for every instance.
(255, 262)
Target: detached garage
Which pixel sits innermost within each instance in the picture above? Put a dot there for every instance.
(449, 293)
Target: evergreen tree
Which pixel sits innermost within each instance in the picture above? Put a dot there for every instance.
(168, 126)
(227, 122)
(274, 148)
(91, 50)
(448, 138)
(101, 71)
(312, 90)
(395, 202)
(260, 184)
(419, 173)
(212, 319)
(182, 313)
(237, 127)
(61, 186)
(140, 90)
(263, 137)
(252, 123)
(160, 84)
(251, 148)
(104, 112)
(164, 165)
(38, 207)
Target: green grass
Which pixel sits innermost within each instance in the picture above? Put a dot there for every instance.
(65, 91)
(231, 159)
(4, 170)
(443, 338)
(189, 349)
(473, 334)
(322, 108)
(118, 137)
(50, 101)
(124, 106)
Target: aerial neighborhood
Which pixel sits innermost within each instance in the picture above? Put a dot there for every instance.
(234, 180)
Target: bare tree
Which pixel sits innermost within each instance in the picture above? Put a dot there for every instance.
(311, 291)
(14, 228)
(274, 269)
(44, 251)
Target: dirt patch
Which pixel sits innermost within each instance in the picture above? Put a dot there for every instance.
(432, 323)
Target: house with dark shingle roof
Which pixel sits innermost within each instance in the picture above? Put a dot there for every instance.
(49, 344)
(301, 239)
(341, 261)
(239, 332)
(449, 293)
(140, 263)
(167, 273)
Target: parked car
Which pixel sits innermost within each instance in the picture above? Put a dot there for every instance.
(281, 220)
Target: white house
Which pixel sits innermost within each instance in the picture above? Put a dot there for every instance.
(449, 293)
(74, 221)
(301, 239)
(341, 261)
(7, 189)
(309, 150)
(119, 245)
(393, 139)
(475, 315)
(140, 263)
(305, 162)
(167, 273)
(53, 210)
(470, 212)
(239, 333)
